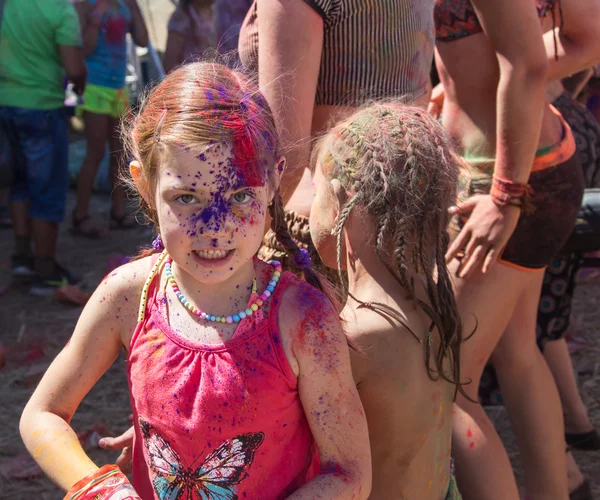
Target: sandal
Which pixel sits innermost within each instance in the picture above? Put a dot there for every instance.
(91, 232)
(586, 441)
(121, 222)
(583, 492)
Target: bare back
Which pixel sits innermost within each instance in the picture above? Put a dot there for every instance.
(409, 415)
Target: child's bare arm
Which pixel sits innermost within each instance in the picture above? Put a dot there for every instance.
(94, 346)
(328, 394)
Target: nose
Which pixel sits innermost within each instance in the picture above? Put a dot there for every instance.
(213, 222)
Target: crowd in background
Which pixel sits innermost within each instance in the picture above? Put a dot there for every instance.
(514, 89)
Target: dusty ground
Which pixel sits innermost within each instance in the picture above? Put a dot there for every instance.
(29, 324)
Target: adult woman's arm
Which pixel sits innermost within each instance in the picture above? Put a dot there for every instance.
(290, 45)
(520, 103)
(91, 18)
(574, 45)
(139, 32)
(173, 51)
(328, 395)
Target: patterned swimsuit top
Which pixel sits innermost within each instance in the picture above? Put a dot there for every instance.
(219, 421)
(455, 19)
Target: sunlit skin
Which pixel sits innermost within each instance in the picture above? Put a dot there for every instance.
(409, 415)
(204, 204)
(204, 201)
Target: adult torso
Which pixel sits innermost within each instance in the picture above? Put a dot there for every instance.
(31, 72)
(107, 64)
(471, 82)
(381, 49)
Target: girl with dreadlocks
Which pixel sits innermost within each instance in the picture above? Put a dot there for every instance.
(256, 401)
(384, 180)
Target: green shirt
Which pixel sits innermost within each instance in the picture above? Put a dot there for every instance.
(31, 72)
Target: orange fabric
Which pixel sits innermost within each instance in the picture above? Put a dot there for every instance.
(560, 152)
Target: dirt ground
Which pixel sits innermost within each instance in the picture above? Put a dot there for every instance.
(34, 330)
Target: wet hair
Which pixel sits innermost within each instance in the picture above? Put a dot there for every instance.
(206, 103)
(398, 163)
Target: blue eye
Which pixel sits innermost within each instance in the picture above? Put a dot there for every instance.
(186, 199)
(241, 197)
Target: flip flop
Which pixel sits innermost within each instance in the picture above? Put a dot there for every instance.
(121, 222)
(583, 492)
(92, 232)
(586, 441)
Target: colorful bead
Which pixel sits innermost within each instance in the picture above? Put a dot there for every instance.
(236, 318)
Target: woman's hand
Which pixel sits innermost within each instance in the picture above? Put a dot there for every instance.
(436, 101)
(124, 442)
(484, 235)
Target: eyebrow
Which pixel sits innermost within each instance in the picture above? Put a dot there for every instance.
(183, 187)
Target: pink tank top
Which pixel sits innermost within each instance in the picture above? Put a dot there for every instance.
(220, 421)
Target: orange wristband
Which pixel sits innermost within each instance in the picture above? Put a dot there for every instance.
(508, 193)
(107, 483)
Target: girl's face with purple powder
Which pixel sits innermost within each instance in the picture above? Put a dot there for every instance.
(211, 210)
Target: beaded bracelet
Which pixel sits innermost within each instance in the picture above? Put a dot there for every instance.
(107, 483)
(508, 193)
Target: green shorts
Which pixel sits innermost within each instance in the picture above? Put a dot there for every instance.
(453, 493)
(105, 101)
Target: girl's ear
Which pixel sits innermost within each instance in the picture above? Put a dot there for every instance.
(341, 195)
(278, 173)
(280, 168)
(135, 169)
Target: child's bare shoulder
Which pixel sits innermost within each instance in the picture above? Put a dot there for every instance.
(121, 289)
(301, 302)
(127, 281)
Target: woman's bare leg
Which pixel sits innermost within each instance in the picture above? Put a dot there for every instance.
(531, 397)
(556, 353)
(485, 303)
(96, 134)
(118, 192)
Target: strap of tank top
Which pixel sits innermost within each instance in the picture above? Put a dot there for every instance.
(149, 280)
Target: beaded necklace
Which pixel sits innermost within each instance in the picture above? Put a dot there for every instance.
(235, 318)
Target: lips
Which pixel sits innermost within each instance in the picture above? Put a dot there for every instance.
(213, 254)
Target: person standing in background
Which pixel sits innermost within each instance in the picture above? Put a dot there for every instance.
(105, 26)
(230, 15)
(192, 31)
(40, 44)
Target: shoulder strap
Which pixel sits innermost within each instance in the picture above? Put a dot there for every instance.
(151, 276)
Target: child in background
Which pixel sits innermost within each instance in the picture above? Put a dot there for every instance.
(105, 24)
(385, 178)
(256, 402)
(192, 30)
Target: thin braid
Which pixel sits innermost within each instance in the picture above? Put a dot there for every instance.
(283, 236)
(338, 231)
